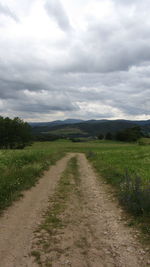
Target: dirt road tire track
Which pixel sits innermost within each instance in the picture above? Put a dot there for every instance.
(19, 221)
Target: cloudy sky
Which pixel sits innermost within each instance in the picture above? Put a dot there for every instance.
(75, 59)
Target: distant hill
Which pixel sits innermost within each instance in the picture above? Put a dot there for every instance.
(142, 123)
(53, 123)
(78, 128)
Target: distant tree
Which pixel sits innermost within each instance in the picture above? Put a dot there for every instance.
(14, 133)
(46, 137)
(129, 134)
(100, 136)
(108, 136)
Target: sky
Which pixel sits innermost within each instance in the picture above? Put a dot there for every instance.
(85, 59)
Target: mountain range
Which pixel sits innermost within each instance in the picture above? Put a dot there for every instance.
(81, 128)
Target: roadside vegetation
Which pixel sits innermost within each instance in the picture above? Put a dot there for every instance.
(124, 165)
(21, 169)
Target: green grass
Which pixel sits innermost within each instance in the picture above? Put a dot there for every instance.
(127, 167)
(112, 159)
(144, 141)
(66, 131)
(21, 169)
(115, 161)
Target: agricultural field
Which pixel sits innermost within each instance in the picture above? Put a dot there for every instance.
(126, 167)
(119, 163)
(67, 131)
(114, 159)
(21, 169)
(47, 218)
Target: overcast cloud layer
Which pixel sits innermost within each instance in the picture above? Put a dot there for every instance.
(75, 59)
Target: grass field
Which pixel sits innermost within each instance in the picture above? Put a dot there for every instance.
(113, 159)
(20, 169)
(126, 166)
(66, 131)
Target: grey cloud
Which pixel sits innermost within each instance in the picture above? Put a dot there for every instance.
(4, 10)
(107, 65)
(43, 108)
(117, 89)
(110, 46)
(112, 90)
(108, 50)
(55, 9)
(127, 2)
(41, 101)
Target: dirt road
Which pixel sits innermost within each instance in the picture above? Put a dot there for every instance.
(94, 234)
(19, 221)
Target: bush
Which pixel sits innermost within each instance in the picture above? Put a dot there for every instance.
(90, 154)
(100, 136)
(134, 195)
(108, 136)
(129, 134)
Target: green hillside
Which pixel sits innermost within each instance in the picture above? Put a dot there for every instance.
(67, 131)
(88, 128)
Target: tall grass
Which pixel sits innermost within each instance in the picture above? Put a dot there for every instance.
(21, 169)
(127, 167)
(135, 195)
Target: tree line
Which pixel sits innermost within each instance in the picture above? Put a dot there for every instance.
(14, 133)
(127, 135)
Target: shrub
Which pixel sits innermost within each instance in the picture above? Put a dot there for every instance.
(108, 136)
(135, 195)
(90, 154)
(100, 136)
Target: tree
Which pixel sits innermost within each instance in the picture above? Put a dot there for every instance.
(108, 136)
(14, 133)
(100, 136)
(129, 134)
